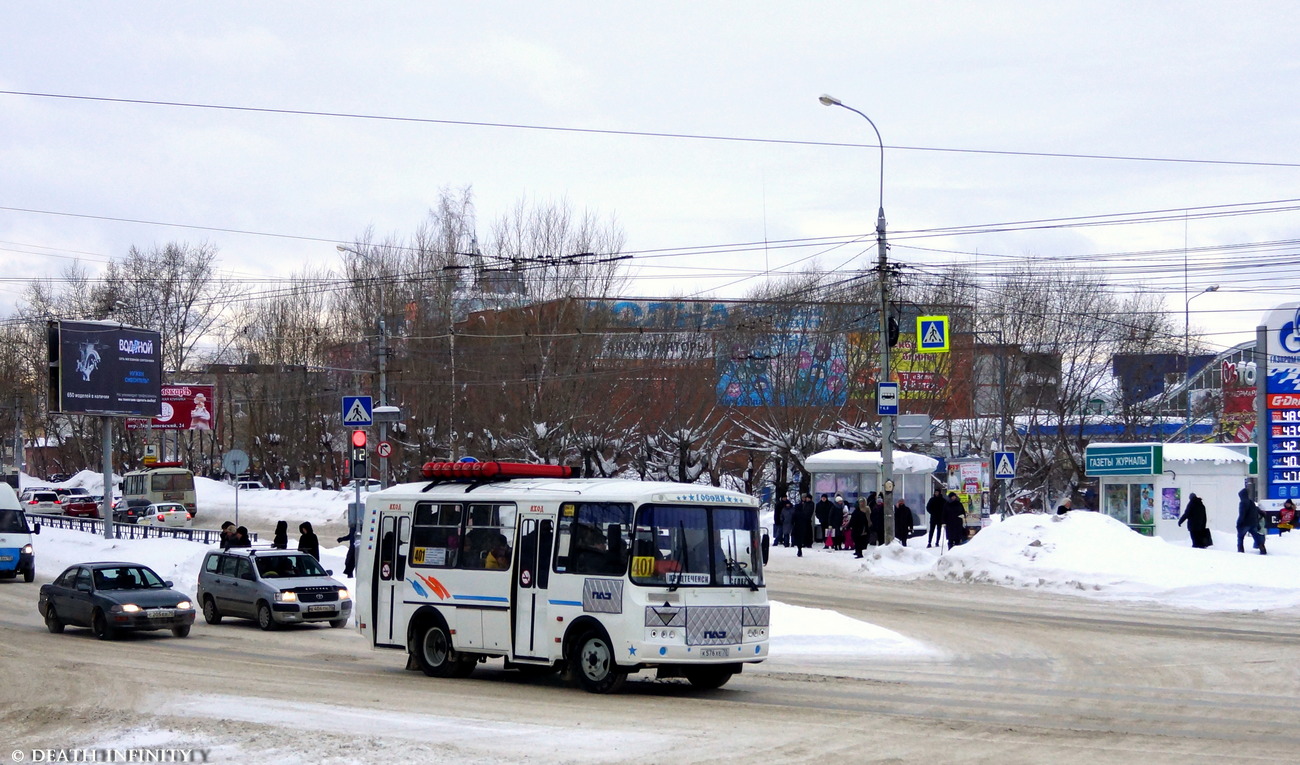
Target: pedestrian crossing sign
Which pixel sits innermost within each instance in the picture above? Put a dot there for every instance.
(1004, 465)
(932, 334)
(357, 411)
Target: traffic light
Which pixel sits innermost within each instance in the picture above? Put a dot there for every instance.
(359, 467)
(893, 331)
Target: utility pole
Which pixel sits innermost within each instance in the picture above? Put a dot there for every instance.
(383, 401)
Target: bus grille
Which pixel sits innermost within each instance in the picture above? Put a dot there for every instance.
(713, 625)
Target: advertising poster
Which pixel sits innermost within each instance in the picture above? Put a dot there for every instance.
(184, 407)
(1170, 504)
(105, 369)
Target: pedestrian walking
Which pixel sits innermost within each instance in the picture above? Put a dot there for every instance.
(955, 520)
(903, 522)
(280, 541)
(934, 509)
(859, 523)
(1249, 521)
(1194, 514)
(804, 516)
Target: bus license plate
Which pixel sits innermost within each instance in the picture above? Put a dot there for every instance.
(714, 653)
(161, 613)
(319, 609)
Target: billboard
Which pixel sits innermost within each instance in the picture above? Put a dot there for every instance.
(184, 407)
(1282, 414)
(98, 367)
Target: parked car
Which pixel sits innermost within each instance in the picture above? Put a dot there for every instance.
(44, 502)
(78, 502)
(59, 477)
(165, 514)
(273, 587)
(113, 597)
(250, 486)
(131, 511)
(27, 493)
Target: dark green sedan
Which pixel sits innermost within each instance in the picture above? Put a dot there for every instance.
(114, 597)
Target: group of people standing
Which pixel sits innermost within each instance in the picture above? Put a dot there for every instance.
(838, 524)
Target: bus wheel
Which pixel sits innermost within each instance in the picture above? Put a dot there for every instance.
(709, 676)
(436, 657)
(594, 665)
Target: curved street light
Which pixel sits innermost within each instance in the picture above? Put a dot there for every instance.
(882, 245)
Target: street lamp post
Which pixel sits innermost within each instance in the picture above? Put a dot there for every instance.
(1187, 360)
(886, 421)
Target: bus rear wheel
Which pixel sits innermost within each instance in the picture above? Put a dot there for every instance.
(436, 657)
(593, 664)
(709, 676)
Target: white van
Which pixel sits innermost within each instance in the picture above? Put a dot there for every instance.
(16, 555)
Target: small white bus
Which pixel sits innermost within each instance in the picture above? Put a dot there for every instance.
(163, 482)
(598, 577)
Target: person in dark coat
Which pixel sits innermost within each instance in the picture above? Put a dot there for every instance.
(823, 513)
(307, 543)
(350, 561)
(1248, 517)
(227, 534)
(778, 516)
(1194, 514)
(902, 522)
(787, 523)
(804, 515)
(877, 517)
(1066, 506)
(281, 539)
(835, 524)
(859, 523)
(955, 520)
(934, 509)
(240, 538)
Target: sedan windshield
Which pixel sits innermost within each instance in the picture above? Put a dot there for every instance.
(679, 545)
(127, 578)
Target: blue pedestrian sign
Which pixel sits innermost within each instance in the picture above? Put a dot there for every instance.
(886, 398)
(932, 334)
(358, 412)
(1004, 465)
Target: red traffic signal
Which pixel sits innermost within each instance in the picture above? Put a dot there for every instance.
(359, 439)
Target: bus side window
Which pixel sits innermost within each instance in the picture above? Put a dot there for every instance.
(435, 537)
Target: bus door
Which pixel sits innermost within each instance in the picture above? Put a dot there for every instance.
(388, 578)
(532, 580)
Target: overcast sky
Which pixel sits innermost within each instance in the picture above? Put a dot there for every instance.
(1215, 82)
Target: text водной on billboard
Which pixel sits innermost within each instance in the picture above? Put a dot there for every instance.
(104, 368)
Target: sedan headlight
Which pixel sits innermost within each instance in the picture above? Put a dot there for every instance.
(27, 549)
(129, 608)
(185, 604)
(286, 596)
(344, 594)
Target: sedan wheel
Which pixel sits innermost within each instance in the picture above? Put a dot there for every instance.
(181, 631)
(100, 626)
(52, 621)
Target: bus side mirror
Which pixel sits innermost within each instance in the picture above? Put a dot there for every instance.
(767, 542)
(36, 529)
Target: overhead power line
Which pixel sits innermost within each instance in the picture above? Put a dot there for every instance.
(639, 133)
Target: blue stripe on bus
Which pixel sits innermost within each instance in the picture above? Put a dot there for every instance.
(480, 597)
(565, 602)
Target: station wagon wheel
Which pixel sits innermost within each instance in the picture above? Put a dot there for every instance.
(100, 626)
(264, 618)
(52, 621)
(210, 613)
(594, 665)
(435, 655)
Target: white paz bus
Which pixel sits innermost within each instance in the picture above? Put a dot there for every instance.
(599, 577)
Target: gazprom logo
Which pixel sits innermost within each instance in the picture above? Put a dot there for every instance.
(135, 347)
(1288, 337)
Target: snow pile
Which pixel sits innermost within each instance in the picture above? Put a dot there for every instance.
(817, 631)
(259, 510)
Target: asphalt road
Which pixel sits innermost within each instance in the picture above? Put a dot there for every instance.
(1025, 678)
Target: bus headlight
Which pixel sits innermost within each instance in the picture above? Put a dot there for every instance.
(27, 549)
(286, 596)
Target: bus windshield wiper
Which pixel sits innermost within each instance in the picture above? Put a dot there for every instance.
(735, 566)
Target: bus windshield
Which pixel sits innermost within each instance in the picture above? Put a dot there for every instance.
(679, 545)
(13, 522)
